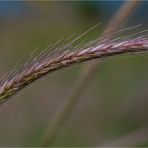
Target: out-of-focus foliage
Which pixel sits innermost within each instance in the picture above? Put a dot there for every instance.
(114, 104)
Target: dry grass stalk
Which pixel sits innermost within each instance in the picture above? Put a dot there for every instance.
(44, 63)
(88, 71)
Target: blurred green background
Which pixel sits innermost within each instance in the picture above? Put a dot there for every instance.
(114, 105)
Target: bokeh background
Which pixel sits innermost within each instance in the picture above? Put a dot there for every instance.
(114, 108)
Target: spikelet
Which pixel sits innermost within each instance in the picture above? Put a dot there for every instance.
(67, 55)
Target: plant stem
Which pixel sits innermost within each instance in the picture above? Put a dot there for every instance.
(63, 113)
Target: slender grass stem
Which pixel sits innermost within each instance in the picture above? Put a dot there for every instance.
(85, 77)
